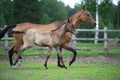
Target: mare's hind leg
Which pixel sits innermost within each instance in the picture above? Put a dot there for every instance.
(65, 46)
(17, 57)
(19, 52)
(11, 52)
(45, 63)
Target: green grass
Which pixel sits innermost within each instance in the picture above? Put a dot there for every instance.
(2, 43)
(78, 71)
(81, 53)
(89, 44)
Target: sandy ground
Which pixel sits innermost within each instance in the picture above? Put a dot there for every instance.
(66, 60)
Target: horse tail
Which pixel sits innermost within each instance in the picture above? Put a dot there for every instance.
(9, 27)
(17, 32)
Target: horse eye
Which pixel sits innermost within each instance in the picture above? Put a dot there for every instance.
(87, 14)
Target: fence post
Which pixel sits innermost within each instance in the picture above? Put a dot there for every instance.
(105, 42)
(6, 43)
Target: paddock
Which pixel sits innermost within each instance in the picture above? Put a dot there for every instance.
(91, 64)
(108, 43)
(85, 68)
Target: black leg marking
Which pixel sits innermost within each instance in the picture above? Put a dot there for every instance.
(10, 52)
(74, 56)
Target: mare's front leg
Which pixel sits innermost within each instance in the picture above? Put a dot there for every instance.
(49, 52)
(60, 57)
(67, 47)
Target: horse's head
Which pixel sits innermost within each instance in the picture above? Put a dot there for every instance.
(70, 27)
(84, 16)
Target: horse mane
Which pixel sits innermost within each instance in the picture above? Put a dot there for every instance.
(60, 24)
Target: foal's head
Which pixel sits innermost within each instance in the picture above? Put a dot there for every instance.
(70, 27)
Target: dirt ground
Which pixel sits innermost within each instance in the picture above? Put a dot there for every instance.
(66, 60)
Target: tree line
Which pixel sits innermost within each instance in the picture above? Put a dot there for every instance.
(47, 11)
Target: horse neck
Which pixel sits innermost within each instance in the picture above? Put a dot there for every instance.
(60, 32)
(76, 19)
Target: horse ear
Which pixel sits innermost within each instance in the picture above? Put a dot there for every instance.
(84, 7)
(68, 20)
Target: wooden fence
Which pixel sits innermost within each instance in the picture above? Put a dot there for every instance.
(105, 39)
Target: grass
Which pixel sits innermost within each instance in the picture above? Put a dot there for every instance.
(81, 53)
(89, 44)
(78, 71)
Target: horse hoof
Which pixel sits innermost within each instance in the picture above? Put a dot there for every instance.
(65, 67)
(60, 66)
(14, 67)
(70, 63)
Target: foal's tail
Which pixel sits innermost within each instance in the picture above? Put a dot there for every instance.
(6, 29)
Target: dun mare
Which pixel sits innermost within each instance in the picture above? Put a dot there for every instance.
(81, 16)
(51, 39)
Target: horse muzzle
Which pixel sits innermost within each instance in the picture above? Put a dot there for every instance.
(94, 24)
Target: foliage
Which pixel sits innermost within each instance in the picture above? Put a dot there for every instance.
(2, 20)
(47, 11)
(117, 16)
(27, 11)
(105, 8)
(52, 10)
(6, 12)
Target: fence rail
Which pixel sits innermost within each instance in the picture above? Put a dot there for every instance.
(105, 39)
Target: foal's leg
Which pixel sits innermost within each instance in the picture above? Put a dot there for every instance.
(60, 56)
(65, 46)
(58, 63)
(45, 63)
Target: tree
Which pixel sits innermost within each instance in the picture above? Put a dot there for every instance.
(52, 10)
(6, 12)
(27, 11)
(106, 9)
(117, 16)
(2, 20)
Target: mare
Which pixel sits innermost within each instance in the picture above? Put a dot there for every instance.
(82, 16)
(51, 39)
